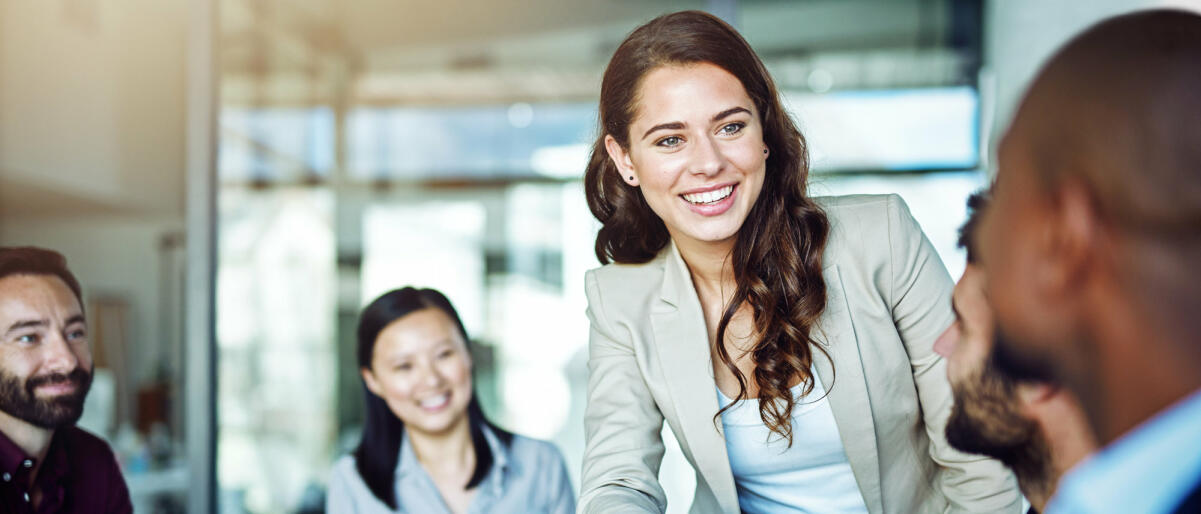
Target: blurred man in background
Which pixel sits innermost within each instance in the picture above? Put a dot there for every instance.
(1090, 248)
(1036, 428)
(47, 464)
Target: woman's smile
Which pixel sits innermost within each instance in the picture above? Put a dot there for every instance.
(711, 201)
(435, 404)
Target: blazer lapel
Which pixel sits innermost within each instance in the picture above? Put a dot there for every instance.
(683, 344)
(847, 388)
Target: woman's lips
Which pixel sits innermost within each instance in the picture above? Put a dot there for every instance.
(435, 403)
(715, 207)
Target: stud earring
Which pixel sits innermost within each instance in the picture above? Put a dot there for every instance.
(764, 151)
(631, 177)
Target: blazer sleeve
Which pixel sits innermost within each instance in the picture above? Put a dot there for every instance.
(920, 296)
(622, 424)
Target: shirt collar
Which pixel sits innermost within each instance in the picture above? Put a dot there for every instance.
(12, 457)
(407, 463)
(1149, 469)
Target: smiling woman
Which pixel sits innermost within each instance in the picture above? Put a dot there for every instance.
(731, 298)
(426, 445)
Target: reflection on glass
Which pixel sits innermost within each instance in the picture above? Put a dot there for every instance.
(275, 322)
(275, 143)
(465, 142)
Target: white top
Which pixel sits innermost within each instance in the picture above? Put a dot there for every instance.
(813, 475)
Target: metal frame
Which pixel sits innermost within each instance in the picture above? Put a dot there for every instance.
(199, 333)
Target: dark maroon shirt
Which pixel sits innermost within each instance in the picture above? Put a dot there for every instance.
(80, 475)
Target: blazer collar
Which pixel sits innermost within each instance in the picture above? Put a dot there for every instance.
(842, 373)
(683, 344)
(682, 339)
(677, 280)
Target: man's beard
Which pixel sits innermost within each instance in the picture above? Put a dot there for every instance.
(985, 420)
(1017, 364)
(20, 401)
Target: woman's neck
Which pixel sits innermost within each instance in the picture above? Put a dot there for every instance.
(710, 265)
(447, 453)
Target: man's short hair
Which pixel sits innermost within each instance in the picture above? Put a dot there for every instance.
(967, 233)
(29, 260)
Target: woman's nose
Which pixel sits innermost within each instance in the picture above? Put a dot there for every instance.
(707, 157)
(432, 377)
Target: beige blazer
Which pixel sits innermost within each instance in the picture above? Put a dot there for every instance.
(889, 299)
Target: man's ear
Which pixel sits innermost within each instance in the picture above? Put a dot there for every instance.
(1073, 237)
(1032, 393)
(1036, 399)
(621, 159)
(372, 384)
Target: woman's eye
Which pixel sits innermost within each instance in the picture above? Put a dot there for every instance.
(27, 338)
(445, 354)
(76, 334)
(669, 141)
(732, 128)
(403, 367)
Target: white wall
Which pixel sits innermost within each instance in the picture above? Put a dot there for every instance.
(92, 101)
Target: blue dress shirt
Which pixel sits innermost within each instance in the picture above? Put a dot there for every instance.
(1149, 470)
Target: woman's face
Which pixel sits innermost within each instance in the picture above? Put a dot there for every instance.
(422, 370)
(696, 150)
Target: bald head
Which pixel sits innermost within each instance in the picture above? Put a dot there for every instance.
(1119, 108)
(1118, 111)
(1093, 234)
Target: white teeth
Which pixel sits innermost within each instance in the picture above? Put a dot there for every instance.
(435, 402)
(709, 196)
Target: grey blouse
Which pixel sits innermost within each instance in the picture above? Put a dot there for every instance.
(529, 476)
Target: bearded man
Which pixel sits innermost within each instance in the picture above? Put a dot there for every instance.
(47, 464)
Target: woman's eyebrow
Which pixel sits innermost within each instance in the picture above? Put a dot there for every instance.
(728, 112)
(675, 125)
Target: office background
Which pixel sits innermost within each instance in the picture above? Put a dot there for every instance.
(232, 180)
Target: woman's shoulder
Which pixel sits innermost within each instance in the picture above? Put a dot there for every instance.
(631, 272)
(536, 460)
(344, 468)
(860, 208)
(534, 451)
(865, 225)
(347, 491)
(618, 284)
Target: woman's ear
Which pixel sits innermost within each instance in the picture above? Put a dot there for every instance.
(621, 159)
(369, 379)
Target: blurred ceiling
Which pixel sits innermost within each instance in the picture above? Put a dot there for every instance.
(387, 52)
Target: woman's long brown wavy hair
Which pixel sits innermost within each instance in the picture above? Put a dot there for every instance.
(777, 257)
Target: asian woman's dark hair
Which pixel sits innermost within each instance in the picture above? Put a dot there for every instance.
(777, 259)
(379, 449)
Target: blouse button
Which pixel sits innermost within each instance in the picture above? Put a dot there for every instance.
(7, 477)
(28, 463)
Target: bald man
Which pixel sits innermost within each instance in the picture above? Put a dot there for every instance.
(1090, 250)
